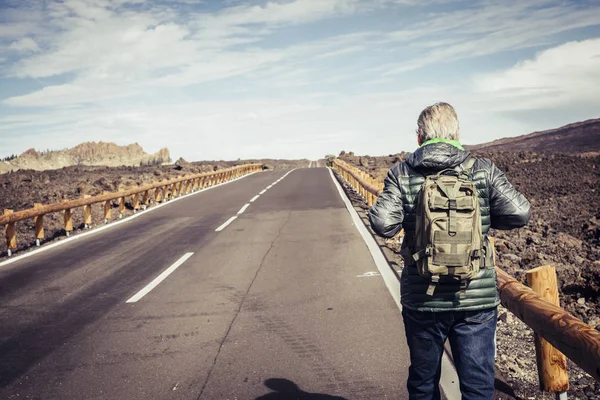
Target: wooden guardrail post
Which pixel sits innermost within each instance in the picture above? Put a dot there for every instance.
(121, 206)
(11, 234)
(39, 225)
(364, 189)
(551, 363)
(68, 218)
(87, 213)
(373, 196)
(145, 199)
(106, 207)
(158, 194)
(135, 202)
(165, 190)
(174, 192)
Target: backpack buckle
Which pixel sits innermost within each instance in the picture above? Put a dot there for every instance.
(435, 279)
(426, 252)
(463, 289)
(452, 204)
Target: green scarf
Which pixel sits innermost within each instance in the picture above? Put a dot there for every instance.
(454, 143)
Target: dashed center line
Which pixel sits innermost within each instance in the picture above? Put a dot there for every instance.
(230, 220)
(243, 208)
(159, 279)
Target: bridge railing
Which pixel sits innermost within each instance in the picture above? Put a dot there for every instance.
(141, 196)
(571, 336)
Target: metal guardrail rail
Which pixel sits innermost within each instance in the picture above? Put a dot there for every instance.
(569, 335)
(158, 191)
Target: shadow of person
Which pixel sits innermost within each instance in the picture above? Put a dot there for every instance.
(504, 391)
(283, 389)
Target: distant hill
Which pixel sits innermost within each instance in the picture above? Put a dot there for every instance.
(89, 153)
(578, 138)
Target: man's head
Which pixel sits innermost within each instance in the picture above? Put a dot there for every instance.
(437, 121)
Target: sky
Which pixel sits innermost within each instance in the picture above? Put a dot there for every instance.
(289, 78)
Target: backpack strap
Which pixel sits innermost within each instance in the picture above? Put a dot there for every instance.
(467, 165)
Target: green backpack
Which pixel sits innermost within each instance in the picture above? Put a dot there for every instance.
(448, 239)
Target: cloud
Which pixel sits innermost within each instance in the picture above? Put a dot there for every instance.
(568, 74)
(276, 13)
(487, 29)
(117, 53)
(25, 45)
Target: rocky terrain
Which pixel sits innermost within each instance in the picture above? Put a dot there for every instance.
(21, 189)
(90, 153)
(581, 138)
(564, 232)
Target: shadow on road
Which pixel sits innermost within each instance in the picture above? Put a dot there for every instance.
(283, 389)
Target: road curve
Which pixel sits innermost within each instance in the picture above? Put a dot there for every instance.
(283, 302)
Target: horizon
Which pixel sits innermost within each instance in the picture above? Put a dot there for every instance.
(173, 160)
(294, 79)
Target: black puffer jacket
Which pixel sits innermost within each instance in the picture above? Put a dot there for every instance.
(502, 207)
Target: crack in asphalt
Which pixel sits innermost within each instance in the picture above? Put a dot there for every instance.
(242, 304)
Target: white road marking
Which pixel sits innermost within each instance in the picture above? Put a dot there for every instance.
(159, 278)
(111, 224)
(449, 377)
(230, 220)
(368, 274)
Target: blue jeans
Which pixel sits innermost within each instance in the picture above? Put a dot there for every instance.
(471, 335)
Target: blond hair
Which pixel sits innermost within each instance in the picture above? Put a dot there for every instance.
(438, 121)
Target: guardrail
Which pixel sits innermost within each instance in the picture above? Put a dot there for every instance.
(157, 192)
(569, 335)
(362, 182)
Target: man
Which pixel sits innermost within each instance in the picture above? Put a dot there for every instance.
(464, 315)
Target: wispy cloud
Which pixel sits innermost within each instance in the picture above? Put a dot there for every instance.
(488, 28)
(566, 75)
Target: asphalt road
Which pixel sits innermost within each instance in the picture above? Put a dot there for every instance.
(282, 303)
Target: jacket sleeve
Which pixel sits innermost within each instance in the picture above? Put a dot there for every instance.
(509, 209)
(387, 213)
